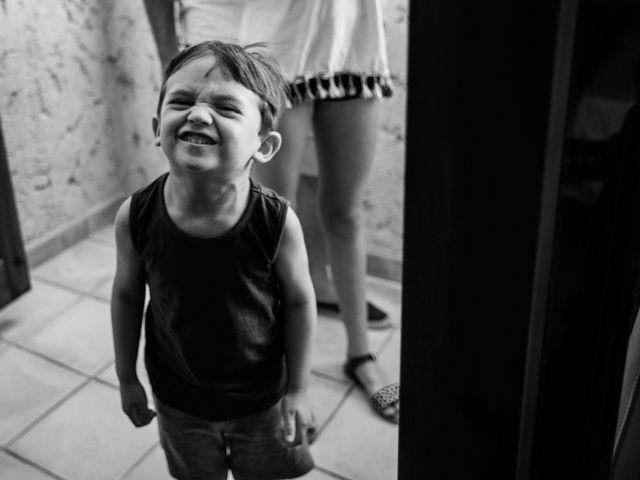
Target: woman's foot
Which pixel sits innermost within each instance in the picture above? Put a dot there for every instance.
(377, 319)
(367, 375)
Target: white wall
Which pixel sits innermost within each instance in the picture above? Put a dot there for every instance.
(78, 87)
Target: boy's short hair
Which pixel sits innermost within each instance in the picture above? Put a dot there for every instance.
(246, 65)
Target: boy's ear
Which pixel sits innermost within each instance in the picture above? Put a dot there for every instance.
(155, 125)
(271, 142)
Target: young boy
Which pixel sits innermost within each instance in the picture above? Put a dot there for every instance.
(231, 315)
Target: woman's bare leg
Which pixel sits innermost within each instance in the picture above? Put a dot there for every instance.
(282, 174)
(283, 171)
(345, 133)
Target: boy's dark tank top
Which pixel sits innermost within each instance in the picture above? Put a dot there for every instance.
(214, 342)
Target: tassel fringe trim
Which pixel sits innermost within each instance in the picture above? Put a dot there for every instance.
(338, 86)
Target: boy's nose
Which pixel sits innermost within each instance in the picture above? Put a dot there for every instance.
(200, 115)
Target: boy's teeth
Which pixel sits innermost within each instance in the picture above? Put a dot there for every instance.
(197, 139)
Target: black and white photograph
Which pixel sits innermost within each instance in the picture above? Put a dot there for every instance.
(235, 233)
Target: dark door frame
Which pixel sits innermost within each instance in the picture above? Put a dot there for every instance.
(486, 111)
(14, 274)
(480, 77)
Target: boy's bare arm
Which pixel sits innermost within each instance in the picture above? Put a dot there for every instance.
(161, 18)
(299, 314)
(127, 303)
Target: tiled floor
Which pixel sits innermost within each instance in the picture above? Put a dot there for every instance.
(59, 406)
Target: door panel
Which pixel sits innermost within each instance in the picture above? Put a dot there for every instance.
(14, 275)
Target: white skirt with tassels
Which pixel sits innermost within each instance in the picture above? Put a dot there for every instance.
(327, 49)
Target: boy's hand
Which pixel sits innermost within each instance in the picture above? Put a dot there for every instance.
(134, 403)
(297, 417)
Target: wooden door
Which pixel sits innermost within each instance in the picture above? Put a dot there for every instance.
(522, 236)
(14, 275)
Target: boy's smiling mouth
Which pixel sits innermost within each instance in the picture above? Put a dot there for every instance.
(196, 138)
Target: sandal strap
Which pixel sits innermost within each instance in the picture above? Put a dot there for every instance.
(355, 362)
(385, 397)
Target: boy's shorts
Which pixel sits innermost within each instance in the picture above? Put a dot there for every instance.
(252, 447)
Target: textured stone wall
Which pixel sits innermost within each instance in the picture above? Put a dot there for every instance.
(73, 81)
(78, 86)
(385, 194)
(139, 76)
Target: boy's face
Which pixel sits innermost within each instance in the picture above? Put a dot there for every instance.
(208, 122)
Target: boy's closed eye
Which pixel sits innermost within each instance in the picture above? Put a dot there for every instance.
(179, 102)
(228, 108)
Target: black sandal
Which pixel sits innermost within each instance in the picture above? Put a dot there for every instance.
(312, 430)
(387, 396)
(376, 319)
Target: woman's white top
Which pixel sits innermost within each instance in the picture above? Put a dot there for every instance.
(321, 39)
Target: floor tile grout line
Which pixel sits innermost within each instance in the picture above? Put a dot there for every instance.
(99, 371)
(351, 388)
(103, 368)
(47, 412)
(31, 463)
(87, 378)
(107, 383)
(49, 359)
(334, 411)
(98, 298)
(44, 321)
(62, 286)
(331, 473)
(127, 473)
(387, 340)
(330, 378)
(94, 241)
(6, 344)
